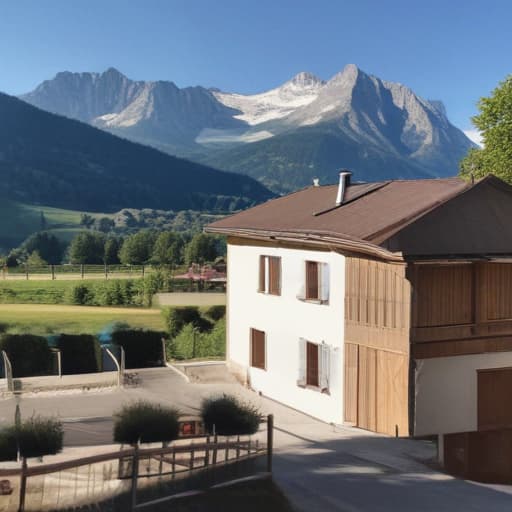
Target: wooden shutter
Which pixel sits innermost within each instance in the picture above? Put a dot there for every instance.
(274, 264)
(311, 280)
(312, 364)
(324, 282)
(494, 386)
(324, 366)
(301, 381)
(258, 359)
(262, 277)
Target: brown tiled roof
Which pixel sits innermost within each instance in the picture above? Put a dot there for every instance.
(373, 215)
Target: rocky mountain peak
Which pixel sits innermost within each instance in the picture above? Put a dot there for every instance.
(305, 79)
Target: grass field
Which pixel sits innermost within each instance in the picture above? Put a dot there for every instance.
(36, 292)
(48, 319)
(18, 221)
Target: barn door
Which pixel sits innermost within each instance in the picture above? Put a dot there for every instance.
(494, 390)
(367, 389)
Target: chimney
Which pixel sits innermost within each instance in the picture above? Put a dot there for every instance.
(316, 182)
(343, 185)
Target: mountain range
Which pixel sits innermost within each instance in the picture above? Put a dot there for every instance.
(283, 137)
(51, 160)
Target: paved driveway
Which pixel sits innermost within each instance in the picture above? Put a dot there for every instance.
(320, 467)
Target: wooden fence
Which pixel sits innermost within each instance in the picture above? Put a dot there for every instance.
(128, 476)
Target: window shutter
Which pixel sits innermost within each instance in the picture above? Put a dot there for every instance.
(311, 280)
(274, 275)
(324, 282)
(302, 362)
(325, 366)
(258, 349)
(301, 292)
(262, 278)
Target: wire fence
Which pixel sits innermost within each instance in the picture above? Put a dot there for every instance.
(137, 478)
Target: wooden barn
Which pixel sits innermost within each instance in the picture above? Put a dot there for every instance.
(386, 305)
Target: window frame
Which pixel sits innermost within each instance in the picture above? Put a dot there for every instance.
(270, 275)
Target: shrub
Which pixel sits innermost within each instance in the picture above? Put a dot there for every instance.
(35, 437)
(146, 423)
(29, 355)
(216, 312)
(176, 318)
(81, 295)
(228, 416)
(191, 342)
(81, 353)
(142, 348)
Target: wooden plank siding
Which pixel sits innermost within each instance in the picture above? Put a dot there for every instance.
(377, 320)
(461, 309)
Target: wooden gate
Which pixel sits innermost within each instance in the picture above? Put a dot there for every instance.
(376, 389)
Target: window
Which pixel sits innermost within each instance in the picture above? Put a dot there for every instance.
(270, 275)
(258, 352)
(315, 287)
(314, 365)
(311, 364)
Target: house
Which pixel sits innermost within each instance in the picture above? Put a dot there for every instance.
(386, 305)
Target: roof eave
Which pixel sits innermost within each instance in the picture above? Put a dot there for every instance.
(329, 240)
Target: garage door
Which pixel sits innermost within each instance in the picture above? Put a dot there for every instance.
(494, 391)
(376, 393)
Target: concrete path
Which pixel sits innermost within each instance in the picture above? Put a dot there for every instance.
(190, 299)
(319, 466)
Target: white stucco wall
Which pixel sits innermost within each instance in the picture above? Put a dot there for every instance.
(285, 319)
(446, 391)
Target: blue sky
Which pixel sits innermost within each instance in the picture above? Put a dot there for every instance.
(452, 50)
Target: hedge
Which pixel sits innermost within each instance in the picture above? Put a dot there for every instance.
(80, 353)
(35, 437)
(227, 415)
(29, 355)
(142, 348)
(146, 423)
(216, 313)
(191, 343)
(176, 318)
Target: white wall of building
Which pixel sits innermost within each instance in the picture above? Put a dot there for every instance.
(446, 391)
(285, 319)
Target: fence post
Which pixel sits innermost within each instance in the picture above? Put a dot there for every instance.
(8, 371)
(135, 474)
(59, 363)
(26, 271)
(106, 271)
(82, 271)
(23, 484)
(270, 441)
(53, 272)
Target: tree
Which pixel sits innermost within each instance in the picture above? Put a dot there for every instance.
(46, 245)
(168, 249)
(105, 224)
(42, 220)
(35, 260)
(111, 251)
(495, 124)
(200, 249)
(88, 247)
(86, 220)
(137, 249)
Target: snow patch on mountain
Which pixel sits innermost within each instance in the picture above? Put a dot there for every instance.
(276, 103)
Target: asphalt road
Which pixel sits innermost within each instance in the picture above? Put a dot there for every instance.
(320, 468)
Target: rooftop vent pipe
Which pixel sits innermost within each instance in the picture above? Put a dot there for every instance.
(343, 185)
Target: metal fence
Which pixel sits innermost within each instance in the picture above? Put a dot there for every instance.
(136, 478)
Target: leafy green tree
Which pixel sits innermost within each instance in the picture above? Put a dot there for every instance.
(200, 249)
(137, 249)
(495, 124)
(88, 247)
(111, 251)
(86, 220)
(35, 260)
(46, 245)
(168, 249)
(105, 224)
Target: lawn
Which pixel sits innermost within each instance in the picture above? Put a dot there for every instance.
(48, 319)
(35, 292)
(18, 221)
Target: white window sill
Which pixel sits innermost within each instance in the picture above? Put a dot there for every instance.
(323, 391)
(314, 301)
